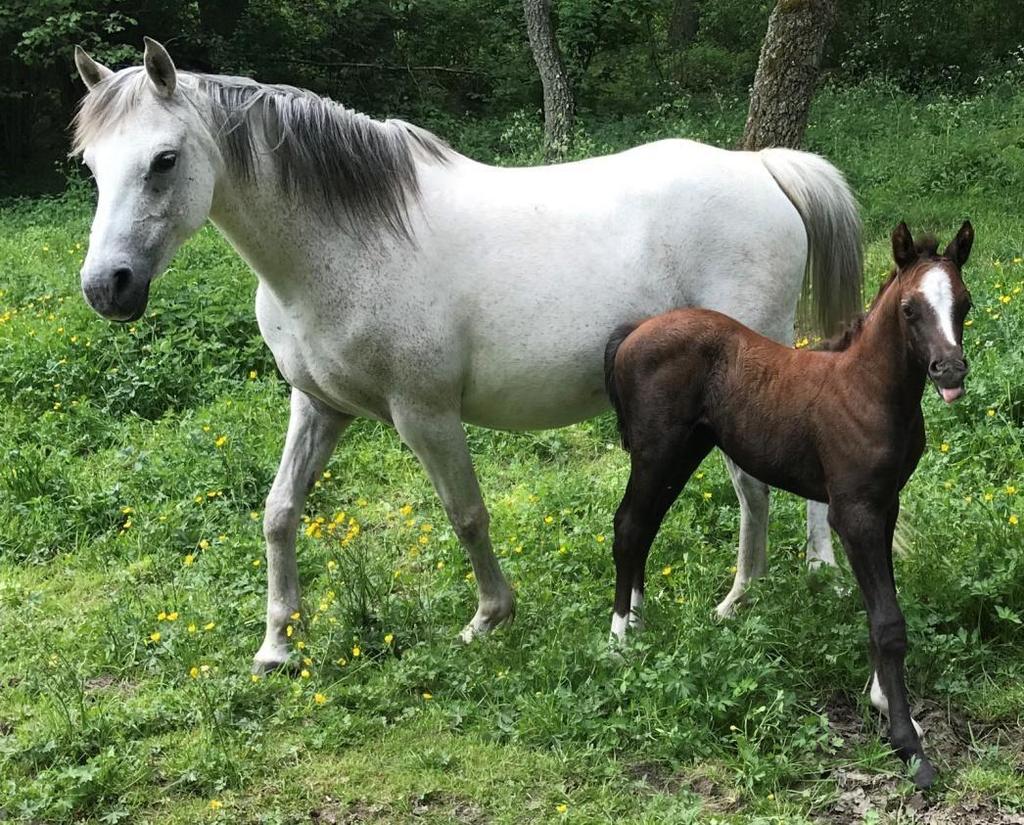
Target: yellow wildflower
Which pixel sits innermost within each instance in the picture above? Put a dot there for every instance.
(252, 375)
(194, 672)
(288, 631)
(1013, 519)
(944, 447)
(304, 674)
(209, 626)
(562, 808)
(405, 510)
(154, 636)
(356, 652)
(319, 698)
(389, 638)
(548, 519)
(192, 627)
(172, 616)
(427, 696)
(666, 570)
(706, 495)
(1010, 490)
(188, 560)
(220, 442)
(216, 804)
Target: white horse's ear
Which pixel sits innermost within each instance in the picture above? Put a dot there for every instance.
(159, 67)
(89, 70)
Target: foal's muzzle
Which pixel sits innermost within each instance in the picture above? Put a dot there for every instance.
(948, 375)
(117, 294)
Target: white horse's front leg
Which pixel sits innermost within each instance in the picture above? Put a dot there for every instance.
(751, 559)
(439, 441)
(819, 536)
(313, 431)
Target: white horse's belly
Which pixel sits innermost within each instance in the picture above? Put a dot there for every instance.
(547, 295)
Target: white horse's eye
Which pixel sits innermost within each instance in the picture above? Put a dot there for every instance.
(164, 162)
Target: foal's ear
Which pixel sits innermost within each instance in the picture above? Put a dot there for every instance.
(159, 67)
(960, 247)
(903, 251)
(89, 70)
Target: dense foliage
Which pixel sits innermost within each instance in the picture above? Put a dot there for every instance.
(440, 58)
(133, 465)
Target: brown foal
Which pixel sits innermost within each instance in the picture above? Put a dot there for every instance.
(841, 424)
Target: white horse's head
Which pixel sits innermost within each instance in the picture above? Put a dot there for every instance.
(155, 164)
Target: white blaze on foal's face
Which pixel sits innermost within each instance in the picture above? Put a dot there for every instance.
(937, 289)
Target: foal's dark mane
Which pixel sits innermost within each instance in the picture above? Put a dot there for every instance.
(927, 247)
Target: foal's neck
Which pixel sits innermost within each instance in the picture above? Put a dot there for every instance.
(881, 351)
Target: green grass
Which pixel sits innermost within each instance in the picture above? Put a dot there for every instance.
(134, 465)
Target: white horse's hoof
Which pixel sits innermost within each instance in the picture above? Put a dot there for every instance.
(727, 609)
(271, 657)
(489, 617)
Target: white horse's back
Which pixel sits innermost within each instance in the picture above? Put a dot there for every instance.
(564, 254)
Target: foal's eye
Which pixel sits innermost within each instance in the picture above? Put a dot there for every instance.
(908, 310)
(164, 162)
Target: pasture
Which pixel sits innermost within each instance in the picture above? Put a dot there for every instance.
(135, 461)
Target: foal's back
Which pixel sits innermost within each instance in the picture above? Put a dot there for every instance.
(765, 405)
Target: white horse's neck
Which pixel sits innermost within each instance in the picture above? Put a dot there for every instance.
(285, 242)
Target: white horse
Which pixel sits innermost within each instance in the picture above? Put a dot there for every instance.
(401, 281)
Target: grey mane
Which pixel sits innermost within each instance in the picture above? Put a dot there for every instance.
(360, 171)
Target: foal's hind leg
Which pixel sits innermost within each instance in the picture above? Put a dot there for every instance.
(863, 531)
(751, 559)
(658, 473)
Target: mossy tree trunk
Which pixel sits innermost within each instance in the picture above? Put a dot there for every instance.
(559, 110)
(787, 73)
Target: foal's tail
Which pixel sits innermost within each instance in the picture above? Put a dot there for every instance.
(832, 283)
(610, 351)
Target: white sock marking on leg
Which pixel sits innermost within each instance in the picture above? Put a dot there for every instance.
(880, 701)
(619, 624)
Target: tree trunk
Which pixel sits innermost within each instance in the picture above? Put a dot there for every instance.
(558, 103)
(787, 73)
(682, 24)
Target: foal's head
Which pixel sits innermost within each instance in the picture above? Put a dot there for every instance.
(933, 303)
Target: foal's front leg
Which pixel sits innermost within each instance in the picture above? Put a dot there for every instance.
(313, 431)
(439, 442)
(863, 530)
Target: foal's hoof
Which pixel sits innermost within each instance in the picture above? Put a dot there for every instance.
(925, 774)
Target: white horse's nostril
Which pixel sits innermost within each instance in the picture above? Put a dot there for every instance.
(122, 279)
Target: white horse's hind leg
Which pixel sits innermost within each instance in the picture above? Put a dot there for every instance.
(879, 700)
(313, 431)
(440, 444)
(751, 560)
(819, 536)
